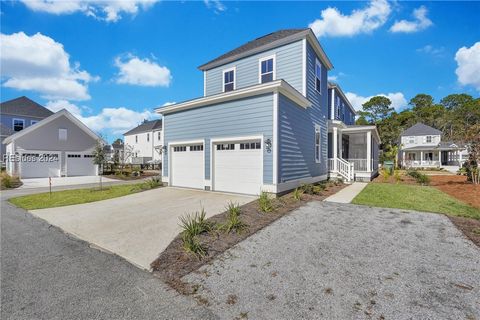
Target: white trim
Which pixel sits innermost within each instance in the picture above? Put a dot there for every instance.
(332, 105)
(231, 139)
(318, 129)
(274, 66)
(304, 67)
(184, 142)
(49, 119)
(292, 184)
(317, 63)
(204, 83)
(234, 69)
(275, 152)
(13, 124)
(23, 151)
(278, 85)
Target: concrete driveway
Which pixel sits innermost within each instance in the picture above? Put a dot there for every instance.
(342, 261)
(137, 227)
(61, 181)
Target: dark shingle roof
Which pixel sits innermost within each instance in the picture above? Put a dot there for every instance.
(145, 127)
(254, 44)
(24, 107)
(5, 131)
(420, 129)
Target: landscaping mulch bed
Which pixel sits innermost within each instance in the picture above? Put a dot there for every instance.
(146, 174)
(469, 227)
(459, 188)
(174, 263)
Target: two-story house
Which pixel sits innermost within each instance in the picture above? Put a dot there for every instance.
(144, 143)
(421, 146)
(18, 114)
(262, 124)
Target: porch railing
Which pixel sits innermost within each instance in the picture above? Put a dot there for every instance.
(360, 164)
(422, 163)
(342, 167)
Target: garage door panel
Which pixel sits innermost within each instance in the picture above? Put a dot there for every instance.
(188, 166)
(80, 164)
(238, 170)
(40, 165)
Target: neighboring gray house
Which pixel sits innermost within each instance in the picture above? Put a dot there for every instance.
(421, 146)
(59, 145)
(18, 114)
(144, 143)
(262, 124)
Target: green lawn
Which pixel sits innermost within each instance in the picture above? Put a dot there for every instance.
(413, 197)
(77, 196)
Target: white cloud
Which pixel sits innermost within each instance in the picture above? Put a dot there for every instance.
(468, 61)
(168, 103)
(108, 10)
(397, 98)
(216, 5)
(40, 64)
(142, 72)
(334, 23)
(421, 22)
(110, 120)
(431, 50)
(332, 78)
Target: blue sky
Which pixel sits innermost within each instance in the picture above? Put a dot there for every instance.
(111, 63)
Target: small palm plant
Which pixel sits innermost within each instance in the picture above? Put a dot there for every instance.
(192, 225)
(265, 202)
(234, 223)
(297, 194)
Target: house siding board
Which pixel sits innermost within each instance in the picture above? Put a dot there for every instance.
(288, 67)
(297, 129)
(245, 117)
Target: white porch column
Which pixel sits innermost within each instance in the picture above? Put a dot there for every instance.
(439, 158)
(340, 144)
(421, 157)
(403, 158)
(334, 147)
(369, 151)
(460, 158)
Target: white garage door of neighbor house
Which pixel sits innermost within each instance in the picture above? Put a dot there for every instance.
(40, 165)
(238, 167)
(187, 166)
(80, 164)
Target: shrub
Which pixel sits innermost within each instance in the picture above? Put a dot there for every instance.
(385, 174)
(7, 181)
(423, 179)
(191, 244)
(307, 188)
(396, 175)
(194, 224)
(234, 223)
(413, 173)
(265, 202)
(153, 182)
(297, 194)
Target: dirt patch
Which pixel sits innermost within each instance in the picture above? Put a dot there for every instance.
(469, 227)
(174, 263)
(459, 188)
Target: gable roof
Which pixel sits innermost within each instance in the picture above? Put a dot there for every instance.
(23, 106)
(267, 42)
(47, 120)
(332, 85)
(146, 126)
(420, 129)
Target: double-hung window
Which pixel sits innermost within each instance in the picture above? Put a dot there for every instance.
(18, 124)
(317, 144)
(229, 80)
(267, 69)
(318, 76)
(148, 137)
(62, 134)
(429, 139)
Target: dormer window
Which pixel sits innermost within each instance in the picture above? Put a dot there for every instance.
(229, 80)
(318, 76)
(18, 124)
(429, 139)
(267, 69)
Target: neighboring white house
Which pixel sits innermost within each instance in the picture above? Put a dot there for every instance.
(421, 146)
(59, 145)
(145, 143)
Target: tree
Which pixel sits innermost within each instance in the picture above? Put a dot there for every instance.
(472, 165)
(427, 112)
(99, 158)
(361, 121)
(377, 108)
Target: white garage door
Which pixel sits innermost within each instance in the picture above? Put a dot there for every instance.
(40, 165)
(80, 164)
(238, 167)
(187, 168)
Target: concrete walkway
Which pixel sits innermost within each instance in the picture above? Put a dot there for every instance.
(347, 194)
(140, 226)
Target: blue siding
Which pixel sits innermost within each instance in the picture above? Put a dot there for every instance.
(297, 129)
(288, 67)
(7, 120)
(341, 109)
(245, 117)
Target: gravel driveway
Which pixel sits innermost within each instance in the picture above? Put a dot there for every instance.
(335, 261)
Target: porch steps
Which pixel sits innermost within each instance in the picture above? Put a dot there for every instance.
(347, 194)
